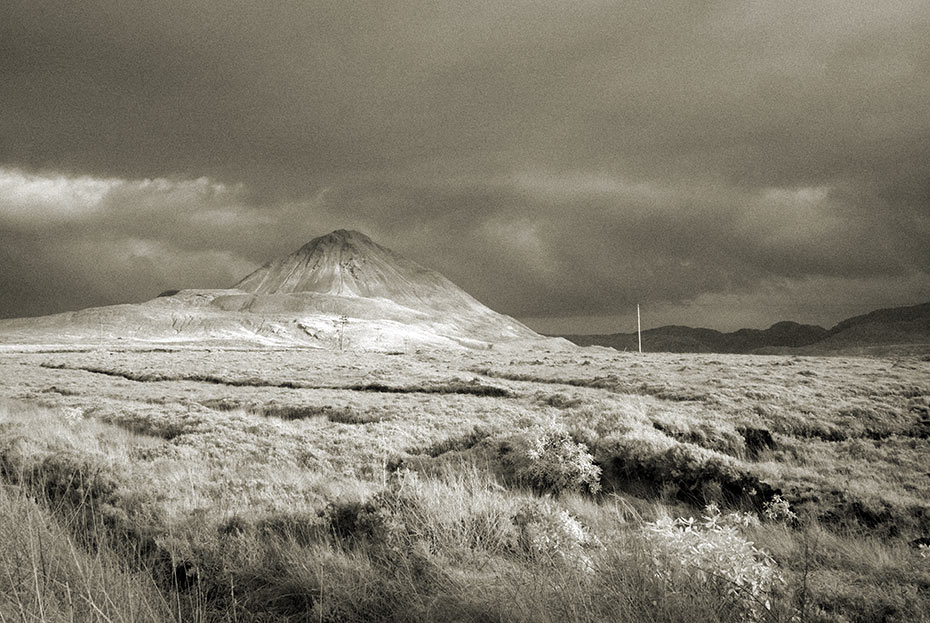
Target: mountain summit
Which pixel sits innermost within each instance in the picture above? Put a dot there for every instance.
(348, 263)
(343, 263)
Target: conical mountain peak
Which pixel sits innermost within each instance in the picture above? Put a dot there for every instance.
(346, 272)
(344, 241)
(340, 237)
(348, 263)
(346, 233)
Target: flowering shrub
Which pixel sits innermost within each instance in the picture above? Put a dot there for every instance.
(778, 509)
(548, 459)
(713, 554)
(551, 533)
(72, 414)
(732, 520)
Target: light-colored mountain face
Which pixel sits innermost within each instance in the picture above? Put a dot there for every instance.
(349, 264)
(340, 289)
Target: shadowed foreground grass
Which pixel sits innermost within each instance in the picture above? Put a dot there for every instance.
(47, 572)
(86, 539)
(442, 549)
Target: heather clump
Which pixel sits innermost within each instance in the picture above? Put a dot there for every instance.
(778, 509)
(549, 460)
(551, 534)
(712, 554)
(641, 463)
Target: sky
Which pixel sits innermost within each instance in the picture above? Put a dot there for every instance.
(721, 163)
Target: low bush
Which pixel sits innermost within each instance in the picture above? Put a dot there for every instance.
(705, 435)
(550, 461)
(360, 521)
(550, 534)
(561, 401)
(697, 476)
(778, 509)
(712, 555)
(757, 440)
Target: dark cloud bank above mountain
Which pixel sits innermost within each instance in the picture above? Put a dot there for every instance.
(724, 164)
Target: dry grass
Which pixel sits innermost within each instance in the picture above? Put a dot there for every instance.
(286, 497)
(48, 575)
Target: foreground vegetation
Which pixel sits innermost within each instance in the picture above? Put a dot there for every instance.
(548, 486)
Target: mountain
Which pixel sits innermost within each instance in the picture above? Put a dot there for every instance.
(341, 289)
(349, 264)
(895, 330)
(678, 339)
(900, 316)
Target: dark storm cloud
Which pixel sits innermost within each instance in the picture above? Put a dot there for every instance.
(553, 158)
(588, 245)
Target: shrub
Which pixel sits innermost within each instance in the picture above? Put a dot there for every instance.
(355, 520)
(549, 460)
(561, 401)
(735, 519)
(709, 436)
(696, 476)
(464, 441)
(711, 554)
(549, 533)
(778, 509)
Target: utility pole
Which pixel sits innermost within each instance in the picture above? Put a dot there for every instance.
(639, 330)
(343, 321)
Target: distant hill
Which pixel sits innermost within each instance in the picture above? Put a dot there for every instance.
(678, 339)
(919, 314)
(884, 331)
(895, 330)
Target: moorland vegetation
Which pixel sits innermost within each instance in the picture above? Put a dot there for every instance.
(576, 485)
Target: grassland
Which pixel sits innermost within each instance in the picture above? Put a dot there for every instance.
(261, 485)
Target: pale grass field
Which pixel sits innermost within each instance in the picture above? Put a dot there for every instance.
(249, 485)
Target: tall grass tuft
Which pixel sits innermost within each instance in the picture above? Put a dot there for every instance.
(48, 574)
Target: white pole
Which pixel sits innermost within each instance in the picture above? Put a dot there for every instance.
(639, 331)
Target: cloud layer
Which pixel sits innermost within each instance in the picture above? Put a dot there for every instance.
(721, 163)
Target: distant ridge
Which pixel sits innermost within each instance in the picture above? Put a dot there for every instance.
(888, 315)
(883, 331)
(679, 339)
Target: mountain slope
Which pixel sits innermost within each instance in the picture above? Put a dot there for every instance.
(341, 288)
(349, 264)
(345, 273)
(883, 331)
(889, 316)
